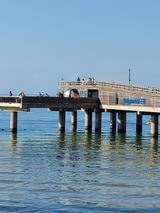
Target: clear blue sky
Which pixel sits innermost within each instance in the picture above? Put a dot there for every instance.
(43, 41)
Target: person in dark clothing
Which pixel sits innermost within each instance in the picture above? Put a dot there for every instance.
(10, 93)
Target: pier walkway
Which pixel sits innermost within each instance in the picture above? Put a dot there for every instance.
(94, 97)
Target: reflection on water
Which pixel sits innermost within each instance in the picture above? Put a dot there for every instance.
(78, 171)
(139, 141)
(13, 138)
(154, 143)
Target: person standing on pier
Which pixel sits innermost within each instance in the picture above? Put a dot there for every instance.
(78, 79)
(10, 93)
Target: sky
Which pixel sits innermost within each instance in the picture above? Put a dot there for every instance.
(45, 41)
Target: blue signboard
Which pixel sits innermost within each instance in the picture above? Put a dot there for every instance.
(134, 101)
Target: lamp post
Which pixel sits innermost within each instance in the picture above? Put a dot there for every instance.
(129, 76)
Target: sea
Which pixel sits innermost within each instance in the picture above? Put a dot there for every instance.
(44, 170)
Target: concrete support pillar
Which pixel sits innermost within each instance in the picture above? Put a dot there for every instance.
(88, 120)
(139, 123)
(98, 121)
(61, 123)
(154, 125)
(113, 121)
(74, 120)
(13, 121)
(121, 121)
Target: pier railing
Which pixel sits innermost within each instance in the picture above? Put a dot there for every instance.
(58, 103)
(111, 85)
(10, 99)
(10, 102)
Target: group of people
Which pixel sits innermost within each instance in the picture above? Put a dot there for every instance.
(43, 94)
(90, 79)
(20, 94)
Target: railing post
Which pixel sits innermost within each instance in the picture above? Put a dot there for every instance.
(21, 101)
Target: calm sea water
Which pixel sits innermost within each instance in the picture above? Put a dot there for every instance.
(43, 170)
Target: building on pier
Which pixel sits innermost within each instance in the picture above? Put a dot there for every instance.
(119, 99)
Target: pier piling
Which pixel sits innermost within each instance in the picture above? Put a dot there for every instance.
(121, 121)
(98, 120)
(61, 123)
(113, 121)
(13, 121)
(74, 120)
(88, 120)
(154, 125)
(139, 123)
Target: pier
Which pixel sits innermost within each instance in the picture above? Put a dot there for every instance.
(94, 97)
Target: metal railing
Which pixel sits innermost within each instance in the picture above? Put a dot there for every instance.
(11, 99)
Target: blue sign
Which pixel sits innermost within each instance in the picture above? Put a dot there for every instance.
(134, 101)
